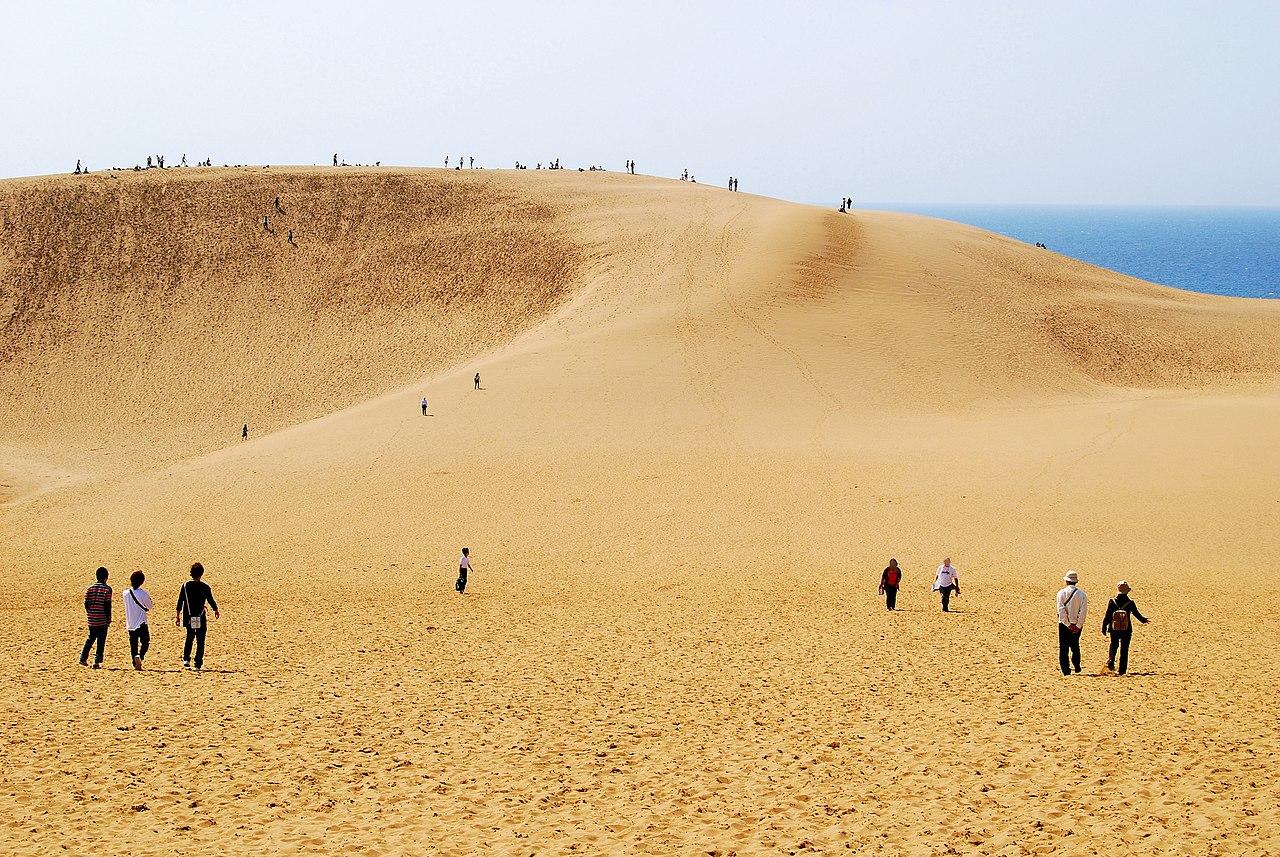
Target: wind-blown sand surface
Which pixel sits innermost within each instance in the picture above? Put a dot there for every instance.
(708, 420)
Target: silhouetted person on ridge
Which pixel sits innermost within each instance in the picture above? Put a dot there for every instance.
(473, 162)
(335, 159)
(77, 172)
(148, 162)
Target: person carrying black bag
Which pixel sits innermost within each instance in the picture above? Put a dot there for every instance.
(1118, 622)
(194, 601)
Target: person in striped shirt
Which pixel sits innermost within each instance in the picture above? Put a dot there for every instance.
(97, 608)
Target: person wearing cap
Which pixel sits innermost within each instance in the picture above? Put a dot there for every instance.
(1072, 606)
(1118, 622)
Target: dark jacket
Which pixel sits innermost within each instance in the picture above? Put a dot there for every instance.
(884, 579)
(1121, 602)
(199, 593)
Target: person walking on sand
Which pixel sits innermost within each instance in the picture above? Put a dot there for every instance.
(136, 604)
(890, 580)
(1118, 621)
(1073, 604)
(97, 608)
(244, 432)
(424, 406)
(194, 600)
(464, 566)
(477, 380)
(947, 582)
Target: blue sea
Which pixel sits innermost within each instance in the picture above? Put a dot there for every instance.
(1223, 251)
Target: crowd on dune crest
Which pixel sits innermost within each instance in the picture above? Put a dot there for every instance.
(459, 163)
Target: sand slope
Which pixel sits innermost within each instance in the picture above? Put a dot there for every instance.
(707, 421)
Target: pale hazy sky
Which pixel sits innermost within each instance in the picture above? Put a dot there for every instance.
(1106, 102)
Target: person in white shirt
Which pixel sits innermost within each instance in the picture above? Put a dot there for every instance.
(947, 582)
(1072, 606)
(464, 566)
(136, 604)
(424, 406)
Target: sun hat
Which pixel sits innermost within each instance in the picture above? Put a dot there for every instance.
(1123, 586)
(1071, 577)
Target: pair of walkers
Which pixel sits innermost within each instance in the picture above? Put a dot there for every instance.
(1073, 606)
(946, 582)
(195, 599)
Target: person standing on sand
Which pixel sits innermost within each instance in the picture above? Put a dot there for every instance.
(194, 600)
(244, 432)
(97, 608)
(477, 380)
(464, 566)
(1118, 621)
(424, 406)
(136, 604)
(1073, 604)
(947, 582)
(890, 580)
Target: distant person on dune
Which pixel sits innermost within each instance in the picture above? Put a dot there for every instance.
(424, 406)
(244, 432)
(194, 600)
(1073, 604)
(97, 608)
(477, 380)
(136, 604)
(890, 580)
(335, 159)
(464, 566)
(947, 582)
(266, 224)
(1118, 622)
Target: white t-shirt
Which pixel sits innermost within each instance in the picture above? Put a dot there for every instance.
(465, 562)
(135, 613)
(947, 576)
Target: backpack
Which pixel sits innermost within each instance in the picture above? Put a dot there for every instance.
(1120, 620)
(892, 576)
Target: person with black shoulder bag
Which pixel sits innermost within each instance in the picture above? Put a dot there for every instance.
(194, 601)
(136, 605)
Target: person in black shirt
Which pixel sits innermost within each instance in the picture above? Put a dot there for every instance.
(194, 601)
(1118, 622)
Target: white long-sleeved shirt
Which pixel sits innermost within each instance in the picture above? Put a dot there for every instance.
(135, 616)
(1072, 605)
(948, 575)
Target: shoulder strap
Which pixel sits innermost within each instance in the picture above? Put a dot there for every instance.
(135, 600)
(1074, 590)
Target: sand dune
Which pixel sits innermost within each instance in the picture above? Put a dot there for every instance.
(707, 421)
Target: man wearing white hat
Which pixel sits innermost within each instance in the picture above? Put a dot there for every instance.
(1072, 606)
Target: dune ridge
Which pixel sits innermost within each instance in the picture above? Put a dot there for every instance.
(707, 421)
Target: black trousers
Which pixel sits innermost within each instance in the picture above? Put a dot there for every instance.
(891, 597)
(1068, 645)
(461, 585)
(946, 597)
(139, 641)
(1120, 640)
(96, 634)
(197, 637)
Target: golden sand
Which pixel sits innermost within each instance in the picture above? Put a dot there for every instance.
(707, 421)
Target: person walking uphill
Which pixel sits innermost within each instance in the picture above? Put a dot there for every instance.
(947, 582)
(464, 566)
(1073, 604)
(1118, 621)
(890, 580)
(97, 608)
(136, 604)
(194, 601)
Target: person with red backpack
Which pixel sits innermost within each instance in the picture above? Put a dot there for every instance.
(1118, 622)
(890, 580)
